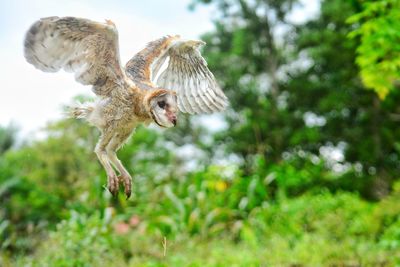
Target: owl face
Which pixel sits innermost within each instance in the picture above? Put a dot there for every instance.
(164, 109)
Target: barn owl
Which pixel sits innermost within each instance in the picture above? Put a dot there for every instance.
(126, 96)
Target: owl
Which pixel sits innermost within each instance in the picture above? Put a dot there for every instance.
(167, 77)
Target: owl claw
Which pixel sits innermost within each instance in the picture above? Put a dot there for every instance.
(112, 185)
(126, 180)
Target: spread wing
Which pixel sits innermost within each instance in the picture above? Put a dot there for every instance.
(88, 49)
(187, 73)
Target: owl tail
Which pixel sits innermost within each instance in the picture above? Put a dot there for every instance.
(80, 110)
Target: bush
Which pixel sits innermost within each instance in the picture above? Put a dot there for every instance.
(328, 229)
(78, 241)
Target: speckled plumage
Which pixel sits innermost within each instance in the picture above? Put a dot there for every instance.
(126, 96)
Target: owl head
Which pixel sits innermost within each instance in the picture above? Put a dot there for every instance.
(163, 107)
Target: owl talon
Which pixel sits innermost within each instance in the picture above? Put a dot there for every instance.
(112, 185)
(126, 180)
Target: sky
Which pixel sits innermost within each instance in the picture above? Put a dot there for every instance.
(30, 98)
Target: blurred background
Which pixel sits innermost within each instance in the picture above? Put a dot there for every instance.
(301, 170)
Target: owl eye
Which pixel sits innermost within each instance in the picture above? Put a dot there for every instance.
(161, 104)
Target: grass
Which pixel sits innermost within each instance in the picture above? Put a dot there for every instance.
(136, 249)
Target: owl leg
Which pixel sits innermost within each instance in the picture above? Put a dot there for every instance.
(100, 150)
(116, 142)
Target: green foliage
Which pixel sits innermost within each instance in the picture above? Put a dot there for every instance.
(82, 240)
(202, 211)
(7, 137)
(330, 88)
(277, 84)
(41, 182)
(325, 229)
(378, 29)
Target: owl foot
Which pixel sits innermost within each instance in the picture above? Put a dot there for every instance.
(112, 184)
(126, 180)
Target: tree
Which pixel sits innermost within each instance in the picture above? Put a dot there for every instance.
(378, 55)
(299, 93)
(7, 137)
(247, 55)
(331, 88)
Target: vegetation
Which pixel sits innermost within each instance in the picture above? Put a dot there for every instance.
(305, 173)
(378, 29)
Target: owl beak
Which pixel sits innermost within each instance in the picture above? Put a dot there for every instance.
(173, 119)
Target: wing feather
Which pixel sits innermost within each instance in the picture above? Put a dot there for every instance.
(187, 73)
(173, 78)
(204, 91)
(196, 87)
(197, 94)
(88, 49)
